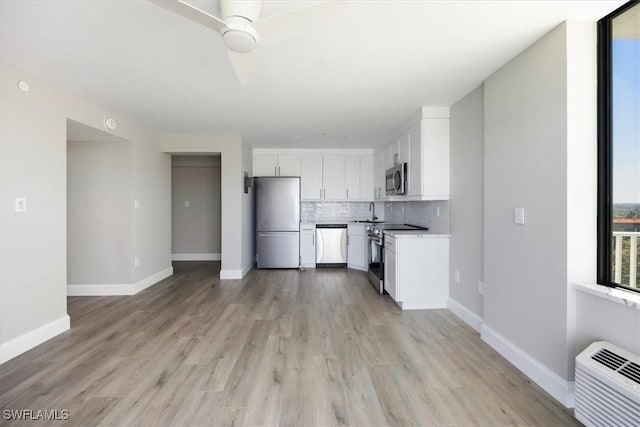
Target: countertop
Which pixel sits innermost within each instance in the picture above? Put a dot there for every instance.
(314, 222)
(414, 233)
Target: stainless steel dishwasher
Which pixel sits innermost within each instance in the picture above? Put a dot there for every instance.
(331, 245)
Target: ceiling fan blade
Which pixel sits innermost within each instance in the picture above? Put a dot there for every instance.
(192, 13)
(289, 25)
(243, 64)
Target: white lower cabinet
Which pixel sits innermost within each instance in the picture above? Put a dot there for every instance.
(391, 272)
(417, 270)
(308, 245)
(356, 247)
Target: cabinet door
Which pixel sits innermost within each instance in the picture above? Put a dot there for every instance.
(403, 149)
(308, 248)
(265, 165)
(415, 161)
(366, 178)
(436, 158)
(310, 177)
(390, 274)
(388, 156)
(378, 174)
(352, 177)
(357, 245)
(289, 165)
(333, 184)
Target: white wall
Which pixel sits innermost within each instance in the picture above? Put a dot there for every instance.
(232, 190)
(99, 215)
(196, 228)
(467, 198)
(33, 153)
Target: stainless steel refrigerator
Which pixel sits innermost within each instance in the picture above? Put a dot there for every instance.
(278, 222)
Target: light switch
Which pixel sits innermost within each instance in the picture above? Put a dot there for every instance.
(518, 216)
(480, 287)
(456, 275)
(186, 204)
(21, 204)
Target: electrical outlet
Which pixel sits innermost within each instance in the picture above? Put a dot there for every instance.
(480, 287)
(438, 211)
(136, 204)
(136, 261)
(187, 203)
(456, 275)
(21, 204)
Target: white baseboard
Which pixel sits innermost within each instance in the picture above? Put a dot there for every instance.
(559, 388)
(196, 257)
(235, 274)
(118, 289)
(24, 342)
(426, 305)
(152, 280)
(466, 315)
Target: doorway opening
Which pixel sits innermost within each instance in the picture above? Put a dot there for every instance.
(196, 208)
(99, 212)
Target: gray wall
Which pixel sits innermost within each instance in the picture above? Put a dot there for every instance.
(33, 164)
(248, 212)
(525, 165)
(233, 151)
(99, 215)
(467, 197)
(195, 229)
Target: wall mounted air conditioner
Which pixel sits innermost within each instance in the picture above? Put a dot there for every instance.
(607, 386)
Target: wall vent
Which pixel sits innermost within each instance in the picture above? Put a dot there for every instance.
(607, 386)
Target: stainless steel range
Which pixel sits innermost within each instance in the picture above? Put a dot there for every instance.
(376, 250)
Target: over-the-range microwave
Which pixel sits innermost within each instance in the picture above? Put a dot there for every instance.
(396, 180)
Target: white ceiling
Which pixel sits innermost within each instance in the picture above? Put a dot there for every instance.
(348, 86)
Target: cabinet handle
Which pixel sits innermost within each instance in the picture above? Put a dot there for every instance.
(275, 171)
(321, 193)
(347, 193)
(324, 193)
(279, 174)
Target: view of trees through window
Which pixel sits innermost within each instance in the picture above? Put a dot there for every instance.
(625, 87)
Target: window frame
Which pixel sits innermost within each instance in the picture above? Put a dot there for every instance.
(605, 148)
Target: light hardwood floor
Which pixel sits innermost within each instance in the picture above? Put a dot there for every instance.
(296, 348)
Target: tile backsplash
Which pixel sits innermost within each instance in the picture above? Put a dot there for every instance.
(338, 211)
(424, 214)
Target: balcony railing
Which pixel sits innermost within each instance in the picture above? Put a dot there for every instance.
(625, 258)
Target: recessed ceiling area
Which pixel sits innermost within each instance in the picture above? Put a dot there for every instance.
(348, 85)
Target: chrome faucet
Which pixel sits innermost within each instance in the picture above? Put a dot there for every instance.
(372, 206)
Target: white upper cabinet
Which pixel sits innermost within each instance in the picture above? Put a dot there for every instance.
(378, 174)
(336, 176)
(424, 145)
(352, 177)
(366, 177)
(429, 159)
(388, 156)
(414, 180)
(276, 165)
(403, 148)
(311, 177)
(289, 165)
(333, 177)
(265, 165)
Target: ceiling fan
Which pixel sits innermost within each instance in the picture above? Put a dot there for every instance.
(242, 29)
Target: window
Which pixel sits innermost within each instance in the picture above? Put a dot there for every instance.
(619, 147)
